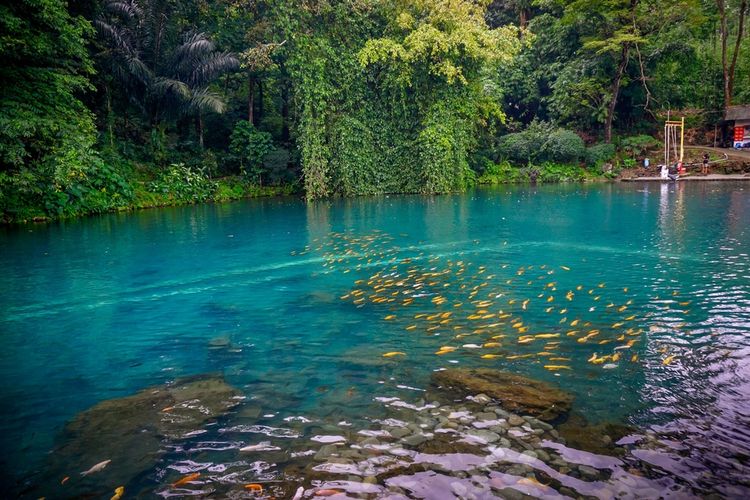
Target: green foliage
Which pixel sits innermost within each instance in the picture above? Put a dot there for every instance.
(599, 154)
(182, 184)
(408, 122)
(352, 98)
(546, 172)
(250, 147)
(542, 142)
(635, 146)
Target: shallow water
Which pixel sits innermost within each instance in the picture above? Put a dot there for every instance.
(267, 292)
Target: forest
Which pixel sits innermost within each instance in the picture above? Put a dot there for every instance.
(110, 105)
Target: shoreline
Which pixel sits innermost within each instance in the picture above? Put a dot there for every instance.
(282, 193)
(692, 178)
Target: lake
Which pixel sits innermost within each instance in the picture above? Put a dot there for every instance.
(634, 299)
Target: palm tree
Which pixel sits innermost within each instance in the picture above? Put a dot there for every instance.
(161, 77)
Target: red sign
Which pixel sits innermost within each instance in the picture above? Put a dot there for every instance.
(739, 133)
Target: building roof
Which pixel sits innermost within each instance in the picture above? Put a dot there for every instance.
(737, 112)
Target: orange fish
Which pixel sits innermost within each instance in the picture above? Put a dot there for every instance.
(186, 479)
(254, 487)
(326, 493)
(65, 480)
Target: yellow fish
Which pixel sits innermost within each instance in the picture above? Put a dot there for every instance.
(615, 356)
(490, 356)
(630, 318)
(518, 325)
(621, 308)
(445, 349)
(119, 492)
(559, 359)
(634, 358)
(549, 309)
(565, 268)
(617, 325)
(550, 298)
(394, 353)
(592, 358)
(390, 317)
(571, 333)
(525, 340)
(519, 356)
(667, 360)
(524, 304)
(492, 344)
(547, 335)
(574, 322)
(411, 327)
(556, 367)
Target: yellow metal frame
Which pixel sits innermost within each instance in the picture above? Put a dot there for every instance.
(669, 125)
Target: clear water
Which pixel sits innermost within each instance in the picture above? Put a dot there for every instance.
(103, 307)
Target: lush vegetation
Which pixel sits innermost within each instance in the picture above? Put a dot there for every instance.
(113, 104)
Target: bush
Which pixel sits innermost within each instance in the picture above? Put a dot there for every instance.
(505, 173)
(500, 173)
(542, 142)
(636, 145)
(77, 181)
(599, 154)
(179, 183)
(250, 146)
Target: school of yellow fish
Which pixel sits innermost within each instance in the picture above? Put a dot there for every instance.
(491, 311)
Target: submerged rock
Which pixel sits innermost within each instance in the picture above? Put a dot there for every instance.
(595, 438)
(129, 431)
(515, 393)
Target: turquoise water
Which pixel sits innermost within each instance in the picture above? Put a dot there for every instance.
(103, 307)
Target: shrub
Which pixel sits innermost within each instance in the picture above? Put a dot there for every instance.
(179, 183)
(542, 142)
(250, 146)
(634, 146)
(599, 154)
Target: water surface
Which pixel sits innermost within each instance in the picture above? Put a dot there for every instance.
(267, 293)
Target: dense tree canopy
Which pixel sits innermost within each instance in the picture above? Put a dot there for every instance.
(101, 98)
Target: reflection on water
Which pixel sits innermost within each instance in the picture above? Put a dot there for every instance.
(634, 299)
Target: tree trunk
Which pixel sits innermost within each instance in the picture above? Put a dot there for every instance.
(199, 128)
(523, 18)
(284, 107)
(730, 84)
(250, 97)
(109, 116)
(724, 67)
(615, 92)
(259, 115)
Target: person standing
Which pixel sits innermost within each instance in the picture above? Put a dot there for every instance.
(704, 168)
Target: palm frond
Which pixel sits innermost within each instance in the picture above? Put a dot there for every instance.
(114, 35)
(169, 86)
(203, 100)
(126, 9)
(211, 67)
(194, 45)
